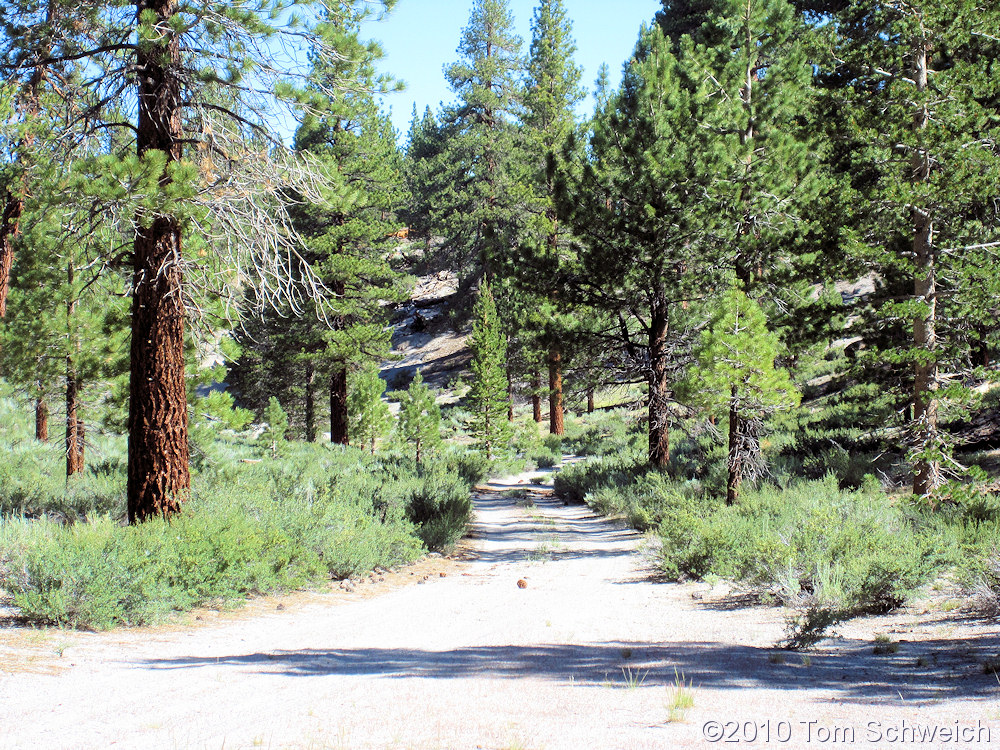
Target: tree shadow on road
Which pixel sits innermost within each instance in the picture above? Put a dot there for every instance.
(930, 670)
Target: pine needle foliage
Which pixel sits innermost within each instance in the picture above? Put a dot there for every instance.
(488, 397)
(419, 418)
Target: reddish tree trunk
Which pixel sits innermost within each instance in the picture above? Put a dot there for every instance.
(81, 443)
(73, 458)
(9, 227)
(159, 475)
(590, 401)
(659, 386)
(556, 426)
(13, 202)
(536, 396)
(74, 454)
(338, 406)
(41, 419)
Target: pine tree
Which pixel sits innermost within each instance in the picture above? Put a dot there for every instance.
(753, 55)
(64, 323)
(637, 204)
(349, 240)
(424, 144)
(551, 92)
(488, 397)
(369, 414)
(419, 421)
(204, 153)
(735, 368)
(277, 425)
(478, 185)
(914, 87)
(349, 236)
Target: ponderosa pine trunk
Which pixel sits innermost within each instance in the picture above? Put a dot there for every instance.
(338, 406)
(310, 402)
(590, 401)
(74, 456)
(536, 396)
(735, 461)
(659, 385)
(159, 476)
(926, 471)
(41, 419)
(556, 421)
(13, 200)
(9, 227)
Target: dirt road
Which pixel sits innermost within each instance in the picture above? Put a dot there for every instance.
(552, 634)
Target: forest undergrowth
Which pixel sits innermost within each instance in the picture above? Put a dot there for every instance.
(828, 548)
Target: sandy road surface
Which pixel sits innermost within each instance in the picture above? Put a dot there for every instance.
(585, 655)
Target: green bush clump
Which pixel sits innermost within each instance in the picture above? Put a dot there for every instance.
(553, 444)
(472, 466)
(91, 575)
(235, 542)
(318, 511)
(574, 482)
(440, 507)
(544, 458)
(810, 543)
(603, 434)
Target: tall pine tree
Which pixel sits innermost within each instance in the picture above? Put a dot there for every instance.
(914, 89)
(551, 92)
(204, 152)
(478, 184)
(488, 397)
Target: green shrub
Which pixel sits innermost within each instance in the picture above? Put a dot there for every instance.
(440, 507)
(543, 458)
(277, 524)
(574, 482)
(89, 575)
(553, 444)
(472, 466)
(812, 546)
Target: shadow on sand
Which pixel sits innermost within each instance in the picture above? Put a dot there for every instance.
(853, 674)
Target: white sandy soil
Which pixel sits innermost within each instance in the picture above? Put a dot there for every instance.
(588, 654)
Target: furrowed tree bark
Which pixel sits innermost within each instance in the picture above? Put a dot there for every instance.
(590, 401)
(74, 457)
(338, 406)
(536, 397)
(659, 386)
(735, 462)
(926, 471)
(159, 477)
(310, 402)
(9, 227)
(13, 201)
(41, 419)
(556, 422)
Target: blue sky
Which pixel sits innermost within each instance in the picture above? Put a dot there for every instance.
(420, 37)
